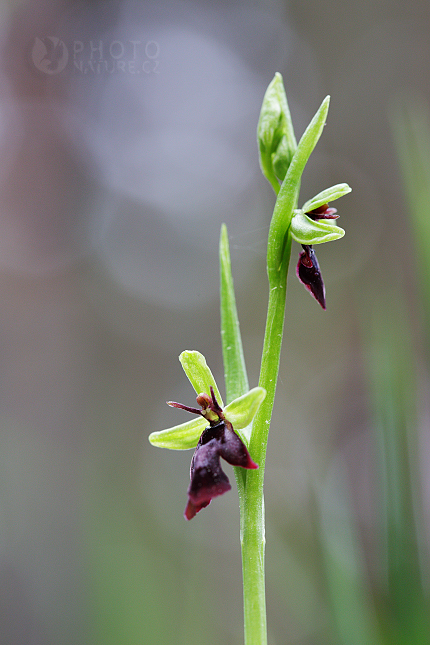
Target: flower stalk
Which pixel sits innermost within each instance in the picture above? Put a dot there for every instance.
(238, 432)
(253, 521)
(250, 483)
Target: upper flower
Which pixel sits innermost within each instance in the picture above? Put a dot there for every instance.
(309, 226)
(308, 270)
(212, 433)
(283, 160)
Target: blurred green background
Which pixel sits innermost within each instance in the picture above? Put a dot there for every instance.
(127, 136)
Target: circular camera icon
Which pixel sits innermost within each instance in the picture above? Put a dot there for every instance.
(49, 54)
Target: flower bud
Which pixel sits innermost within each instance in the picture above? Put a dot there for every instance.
(275, 133)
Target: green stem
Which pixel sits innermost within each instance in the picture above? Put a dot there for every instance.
(252, 520)
(250, 482)
(252, 509)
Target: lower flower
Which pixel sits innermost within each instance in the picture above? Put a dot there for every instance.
(211, 434)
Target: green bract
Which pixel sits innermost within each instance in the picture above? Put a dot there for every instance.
(281, 159)
(239, 412)
(326, 196)
(307, 231)
(275, 133)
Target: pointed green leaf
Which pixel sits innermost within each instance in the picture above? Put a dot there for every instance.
(289, 191)
(307, 231)
(182, 437)
(199, 374)
(326, 196)
(236, 380)
(241, 411)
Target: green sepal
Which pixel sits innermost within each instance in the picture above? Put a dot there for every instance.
(242, 410)
(199, 374)
(182, 437)
(326, 196)
(305, 230)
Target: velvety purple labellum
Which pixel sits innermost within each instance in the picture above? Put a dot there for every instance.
(309, 274)
(208, 480)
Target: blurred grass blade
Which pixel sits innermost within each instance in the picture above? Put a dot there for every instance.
(236, 380)
(353, 613)
(393, 371)
(411, 127)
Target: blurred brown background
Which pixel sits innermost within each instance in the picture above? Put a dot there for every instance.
(127, 136)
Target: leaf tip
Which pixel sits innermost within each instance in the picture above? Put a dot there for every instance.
(223, 235)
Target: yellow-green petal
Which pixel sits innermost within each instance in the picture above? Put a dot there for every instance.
(199, 374)
(182, 437)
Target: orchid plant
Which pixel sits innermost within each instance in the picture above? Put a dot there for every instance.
(238, 431)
